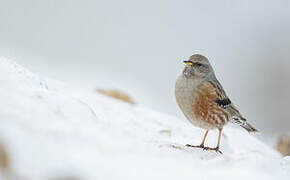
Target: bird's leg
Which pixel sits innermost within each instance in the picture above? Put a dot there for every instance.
(203, 140)
(218, 144)
(202, 143)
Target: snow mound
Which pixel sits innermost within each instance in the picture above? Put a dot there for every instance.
(51, 131)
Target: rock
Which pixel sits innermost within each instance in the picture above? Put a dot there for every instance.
(283, 145)
(117, 95)
(4, 160)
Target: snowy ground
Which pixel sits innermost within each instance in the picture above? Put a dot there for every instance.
(54, 131)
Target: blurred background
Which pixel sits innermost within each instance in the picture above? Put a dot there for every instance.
(138, 47)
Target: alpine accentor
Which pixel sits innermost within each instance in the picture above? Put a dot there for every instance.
(203, 100)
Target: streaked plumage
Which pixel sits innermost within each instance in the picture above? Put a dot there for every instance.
(203, 100)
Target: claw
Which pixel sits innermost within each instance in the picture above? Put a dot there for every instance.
(215, 149)
(218, 151)
(206, 148)
(200, 146)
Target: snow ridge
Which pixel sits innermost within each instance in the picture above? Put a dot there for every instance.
(51, 131)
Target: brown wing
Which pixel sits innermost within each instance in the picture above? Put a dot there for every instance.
(224, 102)
(206, 107)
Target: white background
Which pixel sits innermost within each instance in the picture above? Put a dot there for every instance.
(139, 46)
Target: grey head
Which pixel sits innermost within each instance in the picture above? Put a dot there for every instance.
(198, 66)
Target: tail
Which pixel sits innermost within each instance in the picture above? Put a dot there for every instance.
(244, 124)
(249, 128)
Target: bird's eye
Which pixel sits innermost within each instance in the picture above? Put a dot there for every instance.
(198, 65)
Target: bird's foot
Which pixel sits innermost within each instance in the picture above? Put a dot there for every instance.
(200, 146)
(213, 149)
(205, 148)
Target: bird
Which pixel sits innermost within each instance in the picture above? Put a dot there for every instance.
(203, 101)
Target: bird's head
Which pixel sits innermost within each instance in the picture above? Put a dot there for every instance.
(197, 66)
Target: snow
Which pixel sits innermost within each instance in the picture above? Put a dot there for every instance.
(51, 131)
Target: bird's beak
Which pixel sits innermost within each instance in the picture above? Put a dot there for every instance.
(188, 62)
